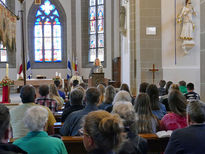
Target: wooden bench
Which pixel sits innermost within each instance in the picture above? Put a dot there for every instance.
(74, 144)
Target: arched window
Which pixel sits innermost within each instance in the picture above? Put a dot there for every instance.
(47, 32)
(96, 30)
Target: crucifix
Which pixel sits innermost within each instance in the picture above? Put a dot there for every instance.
(153, 70)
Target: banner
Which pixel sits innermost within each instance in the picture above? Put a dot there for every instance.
(7, 29)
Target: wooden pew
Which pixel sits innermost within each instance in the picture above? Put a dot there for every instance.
(57, 127)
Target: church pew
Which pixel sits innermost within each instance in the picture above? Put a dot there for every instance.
(57, 127)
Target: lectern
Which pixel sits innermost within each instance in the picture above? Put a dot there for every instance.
(96, 79)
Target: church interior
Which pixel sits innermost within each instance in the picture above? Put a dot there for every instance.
(143, 56)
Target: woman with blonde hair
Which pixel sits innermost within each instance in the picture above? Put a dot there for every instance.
(146, 122)
(102, 132)
(101, 88)
(53, 94)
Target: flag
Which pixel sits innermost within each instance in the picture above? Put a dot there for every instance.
(69, 68)
(28, 68)
(20, 69)
(74, 65)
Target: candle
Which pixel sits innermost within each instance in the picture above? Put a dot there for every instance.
(7, 70)
(17, 76)
(56, 73)
(60, 75)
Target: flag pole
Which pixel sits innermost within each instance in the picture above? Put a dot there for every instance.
(23, 43)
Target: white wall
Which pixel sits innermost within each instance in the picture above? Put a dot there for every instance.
(187, 67)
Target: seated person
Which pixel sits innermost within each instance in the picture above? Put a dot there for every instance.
(143, 87)
(45, 101)
(37, 140)
(27, 95)
(75, 84)
(109, 97)
(177, 117)
(158, 109)
(182, 87)
(58, 85)
(76, 97)
(97, 67)
(76, 76)
(102, 132)
(134, 143)
(162, 90)
(53, 94)
(191, 95)
(73, 122)
(101, 88)
(5, 131)
(190, 140)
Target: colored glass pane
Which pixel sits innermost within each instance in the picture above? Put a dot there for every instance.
(100, 2)
(100, 12)
(101, 40)
(92, 27)
(38, 30)
(92, 13)
(38, 13)
(47, 7)
(38, 56)
(48, 55)
(57, 57)
(100, 26)
(47, 30)
(57, 22)
(56, 31)
(101, 54)
(92, 55)
(38, 43)
(92, 2)
(3, 55)
(47, 43)
(57, 43)
(3, 1)
(92, 41)
(56, 13)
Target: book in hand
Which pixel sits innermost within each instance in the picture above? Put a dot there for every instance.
(164, 133)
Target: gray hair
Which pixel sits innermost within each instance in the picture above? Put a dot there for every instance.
(126, 111)
(35, 118)
(122, 95)
(196, 111)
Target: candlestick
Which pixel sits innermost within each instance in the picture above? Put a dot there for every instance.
(7, 70)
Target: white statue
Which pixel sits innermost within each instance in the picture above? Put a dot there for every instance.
(188, 26)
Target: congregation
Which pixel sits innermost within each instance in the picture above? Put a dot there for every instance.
(109, 119)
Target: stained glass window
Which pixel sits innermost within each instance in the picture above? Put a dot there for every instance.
(47, 34)
(4, 1)
(96, 30)
(3, 53)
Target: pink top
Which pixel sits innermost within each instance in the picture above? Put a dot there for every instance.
(172, 121)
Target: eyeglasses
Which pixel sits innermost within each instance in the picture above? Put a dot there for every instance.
(82, 132)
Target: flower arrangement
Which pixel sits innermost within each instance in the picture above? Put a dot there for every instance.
(56, 78)
(6, 81)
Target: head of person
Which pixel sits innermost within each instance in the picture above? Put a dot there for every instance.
(4, 124)
(125, 87)
(142, 104)
(35, 118)
(177, 102)
(27, 94)
(76, 97)
(101, 88)
(102, 130)
(190, 87)
(92, 96)
(75, 83)
(182, 83)
(83, 85)
(143, 87)
(97, 62)
(109, 94)
(122, 95)
(76, 73)
(196, 112)
(57, 83)
(188, 2)
(168, 84)
(162, 83)
(174, 87)
(44, 90)
(127, 113)
(153, 94)
(53, 91)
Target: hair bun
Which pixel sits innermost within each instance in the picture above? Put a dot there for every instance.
(110, 125)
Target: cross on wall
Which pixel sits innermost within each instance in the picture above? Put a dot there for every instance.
(153, 70)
